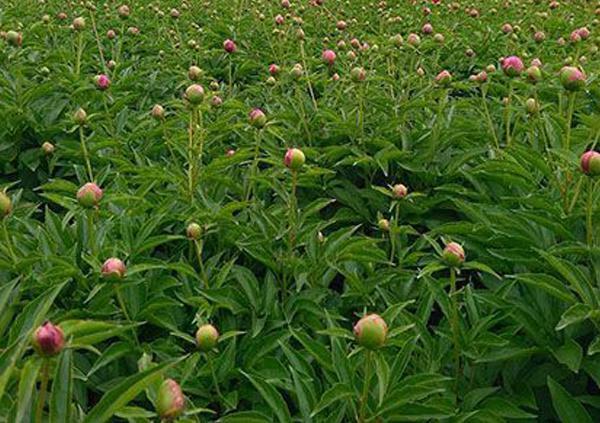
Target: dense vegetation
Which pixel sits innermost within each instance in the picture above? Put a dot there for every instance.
(325, 211)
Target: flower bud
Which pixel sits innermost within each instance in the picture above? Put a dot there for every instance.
(413, 40)
(89, 195)
(590, 163)
(534, 74)
(207, 337)
(170, 401)
(399, 191)
(48, 340)
(274, 69)
(5, 205)
(427, 29)
(14, 38)
(358, 74)
(371, 331)
(257, 118)
(572, 78)
(111, 34)
(193, 231)
(123, 11)
(512, 66)
(229, 46)
(80, 117)
(158, 112)
(532, 106)
(439, 38)
(194, 94)
(384, 225)
(111, 64)
(443, 78)
(397, 40)
(294, 159)
(113, 269)
(48, 148)
(102, 82)
(79, 23)
(329, 57)
(194, 73)
(454, 254)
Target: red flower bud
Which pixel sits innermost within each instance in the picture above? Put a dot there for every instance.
(102, 82)
(454, 254)
(590, 163)
(48, 340)
(572, 78)
(329, 57)
(257, 118)
(113, 269)
(512, 66)
(294, 159)
(229, 46)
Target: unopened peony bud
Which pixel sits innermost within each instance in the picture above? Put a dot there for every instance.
(170, 401)
(194, 94)
(48, 148)
(113, 269)
(80, 117)
(274, 69)
(89, 195)
(193, 231)
(14, 38)
(329, 57)
(102, 82)
(572, 78)
(48, 340)
(590, 163)
(358, 74)
(384, 225)
(207, 337)
(78, 24)
(454, 254)
(532, 106)
(158, 112)
(512, 66)
(194, 73)
(257, 118)
(5, 205)
(294, 159)
(399, 191)
(413, 40)
(371, 332)
(534, 74)
(123, 11)
(229, 46)
(443, 78)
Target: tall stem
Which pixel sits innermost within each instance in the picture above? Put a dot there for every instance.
(454, 322)
(95, 29)
(589, 214)
(42, 395)
(250, 183)
(125, 312)
(310, 89)
(86, 154)
(489, 118)
(91, 233)
(365, 393)
(214, 378)
(11, 252)
(570, 110)
(507, 116)
(191, 155)
(79, 53)
(198, 248)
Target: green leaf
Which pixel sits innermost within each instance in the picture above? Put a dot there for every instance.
(575, 314)
(271, 396)
(567, 407)
(27, 380)
(62, 387)
(570, 354)
(337, 392)
(125, 391)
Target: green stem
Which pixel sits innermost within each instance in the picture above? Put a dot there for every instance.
(455, 326)
(365, 393)
(589, 214)
(79, 53)
(507, 115)
(489, 119)
(250, 183)
(39, 412)
(86, 154)
(125, 312)
(576, 195)
(569, 120)
(97, 37)
(214, 378)
(91, 233)
(191, 155)
(198, 248)
(11, 252)
(310, 89)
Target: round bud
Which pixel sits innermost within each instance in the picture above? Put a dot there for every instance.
(358, 74)
(89, 195)
(48, 340)
(78, 24)
(5, 205)
(170, 401)
(384, 225)
(274, 69)
(590, 163)
(14, 38)
(572, 78)
(454, 254)
(113, 269)
(294, 159)
(158, 112)
(48, 148)
(443, 78)
(257, 118)
(194, 94)
(102, 82)
(229, 46)
(534, 74)
(80, 117)
(193, 231)
(512, 66)
(371, 332)
(399, 191)
(207, 337)
(532, 106)
(194, 73)
(329, 57)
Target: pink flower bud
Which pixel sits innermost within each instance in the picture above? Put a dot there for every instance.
(279, 20)
(329, 57)
(294, 159)
(158, 112)
(572, 78)
(341, 25)
(454, 254)
(207, 337)
(230, 152)
(216, 101)
(413, 39)
(89, 195)
(590, 163)
(285, 4)
(111, 34)
(427, 29)
(78, 24)
(274, 69)
(371, 331)
(48, 340)
(443, 78)
(584, 33)
(257, 118)
(123, 11)
(539, 36)
(335, 77)
(229, 46)
(512, 66)
(102, 82)
(5, 205)
(358, 74)
(170, 401)
(507, 28)
(113, 269)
